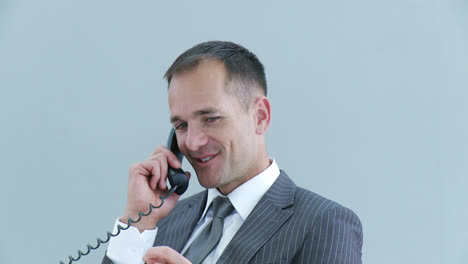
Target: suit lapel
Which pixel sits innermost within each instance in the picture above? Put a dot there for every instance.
(273, 209)
(175, 230)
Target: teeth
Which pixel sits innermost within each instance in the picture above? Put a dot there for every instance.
(206, 159)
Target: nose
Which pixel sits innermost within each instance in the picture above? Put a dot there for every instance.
(195, 139)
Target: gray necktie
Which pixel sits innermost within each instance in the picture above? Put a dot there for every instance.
(210, 236)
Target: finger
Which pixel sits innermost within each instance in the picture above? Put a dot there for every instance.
(137, 169)
(153, 167)
(158, 149)
(173, 160)
(156, 156)
(163, 254)
(153, 255)
(154, 181)
(163, 158)
(163, 171)
(154, 261)
(170, 156)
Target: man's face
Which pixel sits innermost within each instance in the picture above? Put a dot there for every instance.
(214, 131)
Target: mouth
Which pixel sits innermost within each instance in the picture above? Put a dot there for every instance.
(206, 160)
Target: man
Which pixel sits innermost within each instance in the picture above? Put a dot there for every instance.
(220, 112)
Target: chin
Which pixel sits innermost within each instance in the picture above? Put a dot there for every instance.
(207, 181)
(208, 185)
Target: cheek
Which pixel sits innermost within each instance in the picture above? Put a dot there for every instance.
(241, 139)
(235, 135)
(180, 140)
(181, 144)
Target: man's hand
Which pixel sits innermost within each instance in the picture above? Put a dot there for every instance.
(146, 182)
(164, 255)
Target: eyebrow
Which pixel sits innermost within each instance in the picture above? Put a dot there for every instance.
(201, 112)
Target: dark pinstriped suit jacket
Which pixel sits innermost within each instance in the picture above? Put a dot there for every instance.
(288, 225)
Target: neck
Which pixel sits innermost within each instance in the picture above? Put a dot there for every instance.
(260, 165)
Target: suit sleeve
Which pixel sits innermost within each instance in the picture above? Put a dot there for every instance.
(336, 237)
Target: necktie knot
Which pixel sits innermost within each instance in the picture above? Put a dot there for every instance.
(222, 207)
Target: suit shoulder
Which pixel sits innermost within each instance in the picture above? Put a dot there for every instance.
(307, 204)
(313, 204)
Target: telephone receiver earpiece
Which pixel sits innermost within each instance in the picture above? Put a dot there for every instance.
(177, 177)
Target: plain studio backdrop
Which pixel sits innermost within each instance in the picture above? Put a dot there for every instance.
(369, 104)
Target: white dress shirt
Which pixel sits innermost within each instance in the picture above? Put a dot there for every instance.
(130, 246)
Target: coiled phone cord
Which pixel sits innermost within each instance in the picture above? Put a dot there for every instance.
(119, 228)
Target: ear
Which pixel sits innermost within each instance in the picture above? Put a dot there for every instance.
(262, 113)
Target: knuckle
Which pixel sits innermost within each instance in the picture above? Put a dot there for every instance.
(160, 149)
(134, 166)
(162, 159)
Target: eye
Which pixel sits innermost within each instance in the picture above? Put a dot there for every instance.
(181, 126)
(213, 119)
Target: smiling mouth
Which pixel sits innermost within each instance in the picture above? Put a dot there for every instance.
(205, 159)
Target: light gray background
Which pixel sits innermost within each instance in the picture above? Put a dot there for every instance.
(369, 109)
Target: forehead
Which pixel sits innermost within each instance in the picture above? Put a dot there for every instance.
(200, 88)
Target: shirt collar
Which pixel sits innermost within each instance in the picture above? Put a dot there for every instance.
(246, 196)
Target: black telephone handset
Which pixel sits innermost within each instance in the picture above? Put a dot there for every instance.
(177, 177)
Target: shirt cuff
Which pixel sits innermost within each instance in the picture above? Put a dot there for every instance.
(130, 245)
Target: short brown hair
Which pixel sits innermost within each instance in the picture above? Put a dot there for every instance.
(241, 65)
